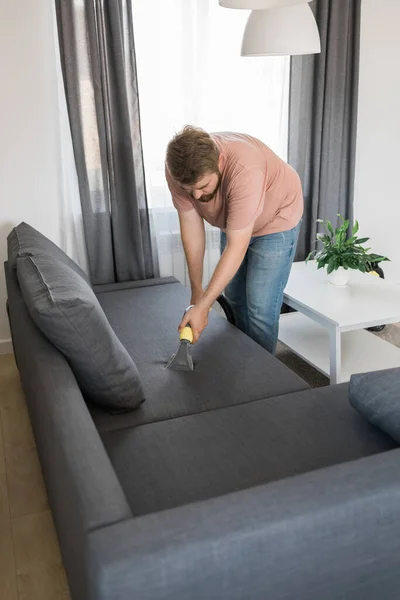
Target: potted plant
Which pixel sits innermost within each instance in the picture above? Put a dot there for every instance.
(340, 252)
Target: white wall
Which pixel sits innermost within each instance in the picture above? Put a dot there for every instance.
(377, 191)
(30, 177)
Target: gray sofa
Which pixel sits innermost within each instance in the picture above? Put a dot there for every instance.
(234, 482)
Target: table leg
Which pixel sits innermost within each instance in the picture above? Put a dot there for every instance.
(335, 356)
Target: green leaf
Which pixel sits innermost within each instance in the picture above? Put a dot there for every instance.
(351, 240)
(330, 228)
(362, 240)
(342, 237)
(330, 269)
(322, 259)
(332, 264)
(376, 258)
(309, 257)
(355, 228)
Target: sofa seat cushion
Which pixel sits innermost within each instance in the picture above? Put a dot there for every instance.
(24, 240)
(171, 463)
(229, 367)
(66, 310)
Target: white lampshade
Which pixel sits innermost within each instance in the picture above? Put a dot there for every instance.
(281, 31)
(259, 4)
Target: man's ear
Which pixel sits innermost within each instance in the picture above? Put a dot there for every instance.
(220, 162)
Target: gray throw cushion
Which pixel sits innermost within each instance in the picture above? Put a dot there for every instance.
(376, 396)
(24, 240)
(67, 311)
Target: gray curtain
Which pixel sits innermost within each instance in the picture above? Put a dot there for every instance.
(323, 117)
(98, 61)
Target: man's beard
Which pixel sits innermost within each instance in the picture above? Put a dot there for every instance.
(209, 197)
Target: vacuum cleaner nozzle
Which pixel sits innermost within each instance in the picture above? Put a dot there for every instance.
(182, 359)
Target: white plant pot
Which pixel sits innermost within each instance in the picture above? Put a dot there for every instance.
(339, 278)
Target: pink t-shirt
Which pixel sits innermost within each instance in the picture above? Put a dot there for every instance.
(256, 187)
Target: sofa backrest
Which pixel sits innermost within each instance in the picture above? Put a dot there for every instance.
(24, 240)
(83, 489)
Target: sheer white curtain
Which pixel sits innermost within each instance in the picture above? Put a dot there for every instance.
(190, 72)
(72, 237)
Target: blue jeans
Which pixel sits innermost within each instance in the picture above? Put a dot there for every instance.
(256, 291)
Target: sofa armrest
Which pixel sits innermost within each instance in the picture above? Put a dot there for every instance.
(83, 489)
(328, 534)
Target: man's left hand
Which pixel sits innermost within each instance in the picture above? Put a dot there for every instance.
(197, 318)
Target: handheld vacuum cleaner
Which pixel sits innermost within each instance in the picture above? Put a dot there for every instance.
(182, 359)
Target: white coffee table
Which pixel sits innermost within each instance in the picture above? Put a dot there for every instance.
(328, 331)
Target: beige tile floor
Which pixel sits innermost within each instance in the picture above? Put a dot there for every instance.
(30, 562)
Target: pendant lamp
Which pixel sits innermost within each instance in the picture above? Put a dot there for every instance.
(291, 30)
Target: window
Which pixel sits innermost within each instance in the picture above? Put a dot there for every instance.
(190, 72)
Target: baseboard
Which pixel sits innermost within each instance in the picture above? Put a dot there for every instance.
(6, 347)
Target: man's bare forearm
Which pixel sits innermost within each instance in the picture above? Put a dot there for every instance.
(194, 244)
(229, 263)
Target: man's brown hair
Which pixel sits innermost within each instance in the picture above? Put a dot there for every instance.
(191, 154)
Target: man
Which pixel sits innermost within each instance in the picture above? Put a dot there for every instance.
(235, 182)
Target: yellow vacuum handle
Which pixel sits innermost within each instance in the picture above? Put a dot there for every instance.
(186, 334)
